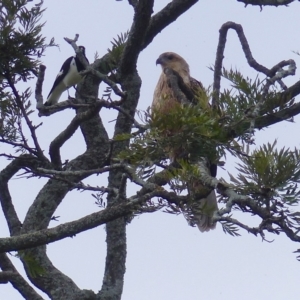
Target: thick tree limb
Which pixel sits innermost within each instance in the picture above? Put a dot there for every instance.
(267, 2)
(23, 161)
(11, 274)
(55, 283)
(59, 141)
(82, 173)
(141, 19)
(165, 17)
(70, 229)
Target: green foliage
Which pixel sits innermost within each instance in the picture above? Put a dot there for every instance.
(21, 42)
(21, 46)
(118, 45)
(268, 173)
(115, 53)
(186, 132)
(230, 228)
(244, 95)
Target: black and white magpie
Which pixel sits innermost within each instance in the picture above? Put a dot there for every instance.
(68, 76)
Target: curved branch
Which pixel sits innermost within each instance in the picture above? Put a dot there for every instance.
(104, 78)
(11, 274)
(58, 142)
(165, 17)
(28, 161)
(143, 11)
(251, 61)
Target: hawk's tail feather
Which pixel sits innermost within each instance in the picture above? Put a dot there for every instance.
(203, 214)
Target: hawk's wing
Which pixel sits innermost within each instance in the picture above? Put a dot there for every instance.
(164, 100)
(195, 84)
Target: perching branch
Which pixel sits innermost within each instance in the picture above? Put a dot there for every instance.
(79, 54)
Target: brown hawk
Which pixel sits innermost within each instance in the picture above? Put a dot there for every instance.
(163, 101)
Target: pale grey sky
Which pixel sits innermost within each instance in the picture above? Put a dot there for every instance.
(167, 259)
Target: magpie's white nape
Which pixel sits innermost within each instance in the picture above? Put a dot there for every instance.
(68, 76)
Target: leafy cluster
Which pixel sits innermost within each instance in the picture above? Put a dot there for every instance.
(21, 42)
(187, 132)
(245, 94)
(21, 46)
(268, 174)
(115, 54)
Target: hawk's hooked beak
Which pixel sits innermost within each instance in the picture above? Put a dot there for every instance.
(159, 61)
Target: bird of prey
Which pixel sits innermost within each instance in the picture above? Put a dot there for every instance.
(164, 100)
(68, 76)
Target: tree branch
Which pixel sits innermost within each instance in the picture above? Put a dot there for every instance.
(39, 87)
(58, 142)
(165, 17)
(25, 160)
(11, 274)
(20, 105)
(81, 173)
(141, 19)
(53, 282)
(267, 2)
(251, 61)
(70, 229)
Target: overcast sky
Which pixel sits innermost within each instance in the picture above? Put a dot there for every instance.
(167, 259)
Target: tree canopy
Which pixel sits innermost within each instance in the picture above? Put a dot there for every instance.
(266, 184)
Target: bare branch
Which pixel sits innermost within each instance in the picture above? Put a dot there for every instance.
(251, 61)
(6, 276)
(70, 229)
(83, 173)
(105, 78)
(39, 87)
(6, 174)
(267, 2)
(165, 17)
(32, 129)
(57, 143)
(11, 274)
(79, 54)
(141, 20)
